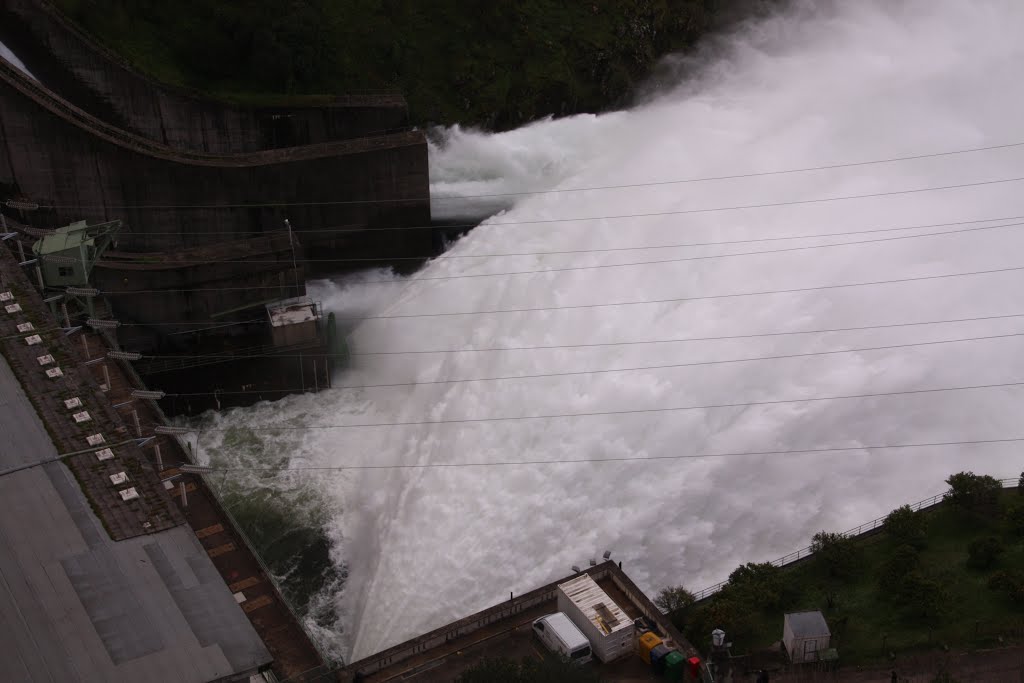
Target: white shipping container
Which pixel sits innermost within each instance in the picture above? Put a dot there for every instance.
(605, 625)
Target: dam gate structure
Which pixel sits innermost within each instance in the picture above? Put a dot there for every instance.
(202, 191)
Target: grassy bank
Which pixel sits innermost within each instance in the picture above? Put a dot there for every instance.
(951, 576)
(494, 64)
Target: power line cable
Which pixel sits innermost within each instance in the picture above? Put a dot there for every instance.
(684, 339)
(604, 305)
(757, 174)
(449, 256)
(793, 290)
(681, 259)
(585, 345)
(668, 366)
(640, 411)
(624, 458)
(591, 267)
(678, 212)
(921, 278)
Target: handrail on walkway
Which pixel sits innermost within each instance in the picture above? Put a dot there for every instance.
(856, 531)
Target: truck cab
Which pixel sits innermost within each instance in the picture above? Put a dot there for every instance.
(561, 636)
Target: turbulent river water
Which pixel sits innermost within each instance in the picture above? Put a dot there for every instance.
(820, 84)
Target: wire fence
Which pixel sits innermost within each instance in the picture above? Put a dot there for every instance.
(864, 528)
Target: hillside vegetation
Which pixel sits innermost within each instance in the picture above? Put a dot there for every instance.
(951, 575)
(496, 64)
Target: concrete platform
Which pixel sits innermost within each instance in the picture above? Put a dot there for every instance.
(505, 631)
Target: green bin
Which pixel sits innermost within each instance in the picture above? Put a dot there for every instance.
(675, 666)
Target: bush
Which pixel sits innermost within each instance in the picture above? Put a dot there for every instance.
(922, 597)
(838, 554)
(904, 560)
(1015, 519)
(978, 493)
(1011, 584)
(760, 585)
(906, 526)
(983, 553)
(674, 599)
(724, 611)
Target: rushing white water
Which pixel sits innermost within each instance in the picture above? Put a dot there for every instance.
(5, 53)
(824, 83)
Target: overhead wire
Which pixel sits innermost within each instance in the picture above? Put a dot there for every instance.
(597, 266)
(624, 458)
(449, 256)
(641, 368)
(676, 212)
(681, 259)
(707, 297)
(685, 339)
(870, 283)
(702, 179)
(629, 411)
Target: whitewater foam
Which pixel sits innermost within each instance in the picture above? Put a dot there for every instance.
(824, 83)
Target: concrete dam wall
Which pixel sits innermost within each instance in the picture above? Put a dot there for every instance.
(71, 64)
(77, 167)
(202, 188)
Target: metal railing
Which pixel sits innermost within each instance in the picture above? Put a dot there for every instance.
(864, 528)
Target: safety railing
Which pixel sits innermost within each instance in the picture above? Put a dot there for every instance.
(864, 528)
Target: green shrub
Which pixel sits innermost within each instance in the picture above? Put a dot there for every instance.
(983, 552)
(725, 611)
(760, 585)
(1015, 519)
(897, 566)
(922, 597)
(907, 527)
(1011, 584)
(837, 554)
(974, 492)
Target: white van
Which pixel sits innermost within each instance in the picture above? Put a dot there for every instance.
(560, 635)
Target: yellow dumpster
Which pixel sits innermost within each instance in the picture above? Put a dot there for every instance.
(648, 641)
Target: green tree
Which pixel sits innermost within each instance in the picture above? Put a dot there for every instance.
(674, 599)
(1011, 584)
(726, 611)
(1015, 519)
(974, 492)
(529, 670)
(837, 554)
(984, 552)
(760, 585)
(897, 566)
(922, 597)
(907, 527)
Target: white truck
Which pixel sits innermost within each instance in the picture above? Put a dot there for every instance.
(560, 635)
(605, 625)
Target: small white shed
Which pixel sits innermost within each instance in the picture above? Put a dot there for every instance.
(805, 635)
